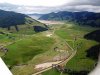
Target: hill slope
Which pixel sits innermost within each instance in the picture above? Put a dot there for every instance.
(82, 18)
(16, 21)
(8, 18)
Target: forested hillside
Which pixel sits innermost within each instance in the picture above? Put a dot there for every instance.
(8, 18)
(16, 21)
(82, 18)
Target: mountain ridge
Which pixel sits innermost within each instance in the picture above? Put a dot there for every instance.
(82, 18)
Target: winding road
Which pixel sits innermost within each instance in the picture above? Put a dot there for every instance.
(63, 62)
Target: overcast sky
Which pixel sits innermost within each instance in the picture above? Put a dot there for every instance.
(46, 6)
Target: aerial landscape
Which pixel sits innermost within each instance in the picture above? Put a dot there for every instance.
(50, 41)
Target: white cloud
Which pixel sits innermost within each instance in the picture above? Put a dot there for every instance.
(50, 5)
(89, 8)
(36, 2)
(84, 2)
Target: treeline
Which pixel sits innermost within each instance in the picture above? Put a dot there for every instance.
(82, 18)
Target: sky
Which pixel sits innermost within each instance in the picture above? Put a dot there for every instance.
(36, 2)
(47, 6)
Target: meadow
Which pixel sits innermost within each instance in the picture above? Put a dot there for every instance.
(28, 48)
(74, 35)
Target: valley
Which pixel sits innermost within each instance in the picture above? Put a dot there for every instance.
(49, 37)
(80, 64)
(31, 50)
(33, 47)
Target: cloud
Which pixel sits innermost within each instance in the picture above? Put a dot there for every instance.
(89, 8)
(85, 2)
(74, 5)
(26, 9)
(36, 2)
(82, 5)
(8, 7)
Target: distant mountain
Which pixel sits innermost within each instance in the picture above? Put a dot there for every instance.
(35, 15)
(82, 18)
(9, 19)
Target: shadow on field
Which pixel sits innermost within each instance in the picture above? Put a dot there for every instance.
(94, 51)
(40, 28)
(78, 73)
(95, 35)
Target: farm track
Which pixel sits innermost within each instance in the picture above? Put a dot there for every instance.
(63, 62)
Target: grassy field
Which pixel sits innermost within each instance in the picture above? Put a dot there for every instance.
(79, 62)
(26, 49)
(10, 36)
(26, 52)
(29, 48)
